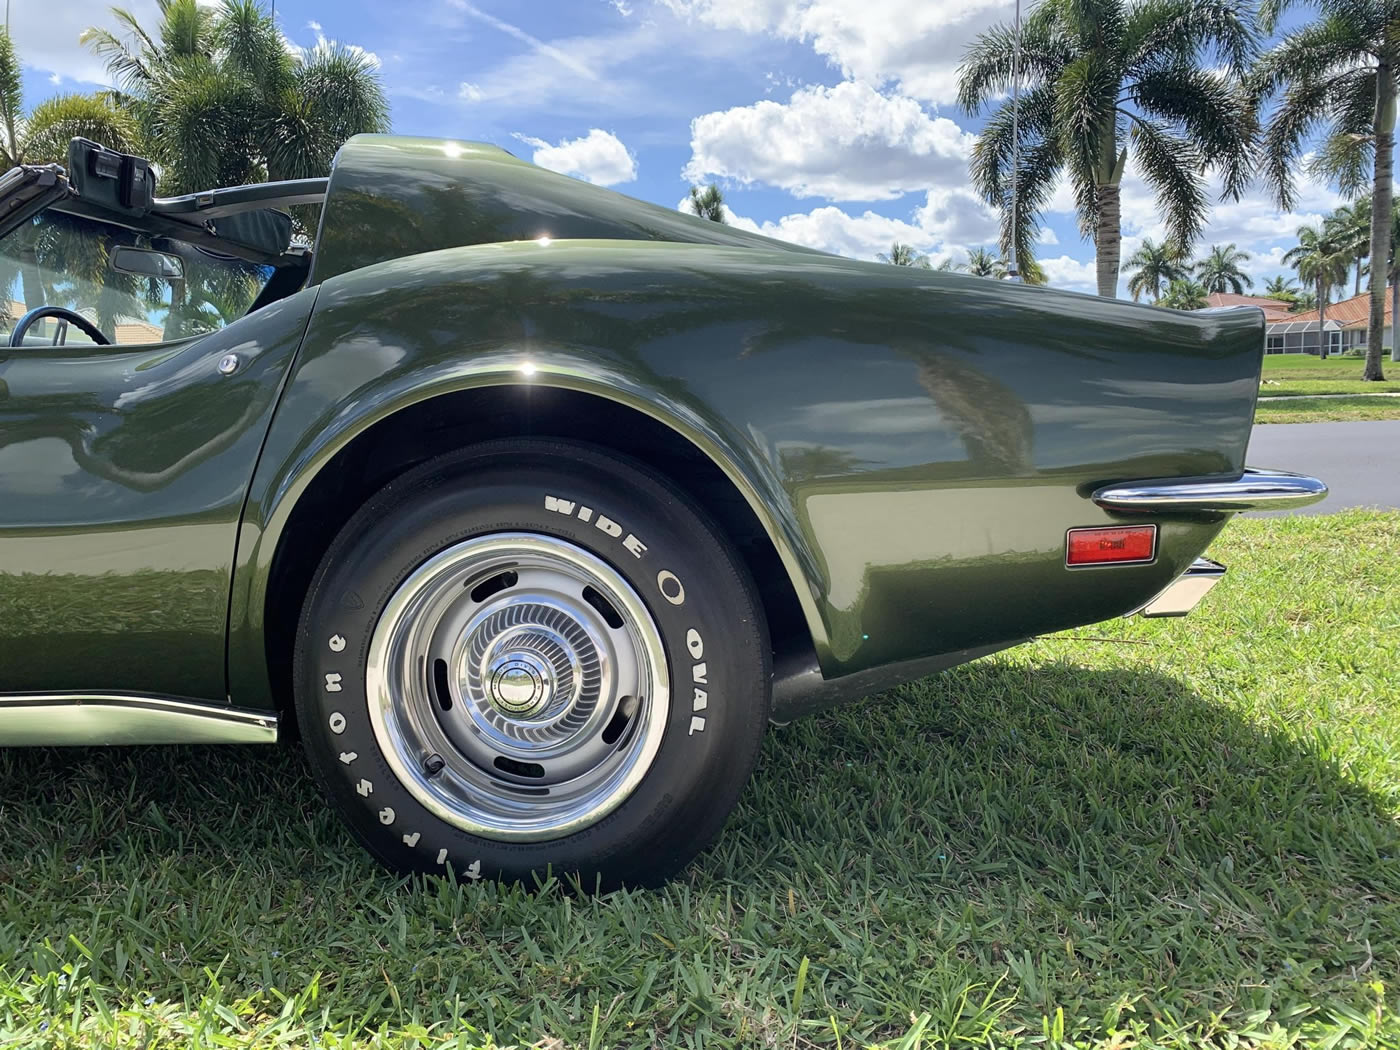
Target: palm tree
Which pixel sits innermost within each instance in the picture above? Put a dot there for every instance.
(1280, 287)
(1351, 225)
(1303, 301)
(42, 137)
(1337, 74)
(1220, 270)
(1101, 78)
(982, 263)
(1394, 277)
(1154, 265)
(221, 100)
(901, 254)
(1183, 293)
(707, 203)
(1322, 261)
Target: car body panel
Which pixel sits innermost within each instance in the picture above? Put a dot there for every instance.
(391, 197)
(123, 473)
(915, 443)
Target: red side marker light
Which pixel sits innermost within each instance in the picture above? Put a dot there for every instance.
(1111, 546)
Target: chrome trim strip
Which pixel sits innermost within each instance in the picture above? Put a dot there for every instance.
(1186, 591)
(1254, 490)
(81, 719)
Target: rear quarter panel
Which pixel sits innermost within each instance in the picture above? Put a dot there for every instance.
(916, 443)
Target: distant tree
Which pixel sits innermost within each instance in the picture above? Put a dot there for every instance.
(982, 263)
(1152, 267)
(1281, 287)
(1351, 227)
(1322, 261)
(707, 203)
(901, 254)
(1185, 294)
(221, 100)
(1220, 270)
(1303, 301)
(42, 136)
(949, 266)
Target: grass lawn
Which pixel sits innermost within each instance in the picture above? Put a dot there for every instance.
(1305, 374)
(1326, 409)
(1141, 833)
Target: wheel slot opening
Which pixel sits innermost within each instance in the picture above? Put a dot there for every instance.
(519, 769)
(440, 689)
(610, 615)
(626, 708)
(494, 585)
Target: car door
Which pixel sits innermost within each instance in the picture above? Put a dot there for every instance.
(123, 468)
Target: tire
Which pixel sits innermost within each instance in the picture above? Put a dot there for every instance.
(469, 703)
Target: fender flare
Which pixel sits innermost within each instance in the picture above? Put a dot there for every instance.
(278, 486)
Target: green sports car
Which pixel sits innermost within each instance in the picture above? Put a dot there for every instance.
(531, 504)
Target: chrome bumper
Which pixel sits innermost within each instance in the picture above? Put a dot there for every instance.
(1254, 490)
(1186, 591)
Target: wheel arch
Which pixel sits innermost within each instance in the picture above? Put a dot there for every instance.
(295, 537)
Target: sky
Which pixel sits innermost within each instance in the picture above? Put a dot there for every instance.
(831, 123)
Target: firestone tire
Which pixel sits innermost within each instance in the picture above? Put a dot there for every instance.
(532, 657)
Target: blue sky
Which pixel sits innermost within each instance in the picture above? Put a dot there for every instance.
(828, 122)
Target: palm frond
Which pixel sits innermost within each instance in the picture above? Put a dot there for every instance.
(1172, 32)
(1171, 165)
(1207, 108)
(56, 121)
(11, 98)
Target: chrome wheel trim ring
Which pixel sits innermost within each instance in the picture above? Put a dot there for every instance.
(537, 681)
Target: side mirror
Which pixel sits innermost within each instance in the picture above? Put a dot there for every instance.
(143, 262)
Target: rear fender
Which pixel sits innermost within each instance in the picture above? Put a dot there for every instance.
(914, 443)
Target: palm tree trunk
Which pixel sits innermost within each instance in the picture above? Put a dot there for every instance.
(1381, 203)
(1108, 239)
(1322, 318)
(1394, 318)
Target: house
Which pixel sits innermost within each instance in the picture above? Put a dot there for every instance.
(128, 330)
(1284, 332)
(1274, 309)
(1353, 317)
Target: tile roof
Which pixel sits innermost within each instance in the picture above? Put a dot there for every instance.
(1351, 313)
(1274, 309)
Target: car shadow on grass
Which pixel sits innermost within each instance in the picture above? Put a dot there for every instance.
(1083, 836)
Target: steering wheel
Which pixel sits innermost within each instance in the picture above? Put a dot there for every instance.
(78, 321)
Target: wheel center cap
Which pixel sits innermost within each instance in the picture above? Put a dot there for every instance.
(520, 684)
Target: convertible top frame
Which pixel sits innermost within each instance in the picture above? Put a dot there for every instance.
(29, 189)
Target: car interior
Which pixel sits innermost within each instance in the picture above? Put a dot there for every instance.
(89, 255)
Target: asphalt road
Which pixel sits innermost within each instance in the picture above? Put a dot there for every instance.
(1359, 461)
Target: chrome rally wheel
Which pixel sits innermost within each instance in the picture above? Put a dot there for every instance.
(518, 687)
(532, 657)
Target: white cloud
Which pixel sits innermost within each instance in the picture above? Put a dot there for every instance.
(469, 91)
(847, 142)
(948, 223)
(46, 35)
(1065, 272)
(599, 157)
(314, 26)
(914, 43)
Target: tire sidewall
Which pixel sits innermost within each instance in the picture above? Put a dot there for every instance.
(693, 587)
